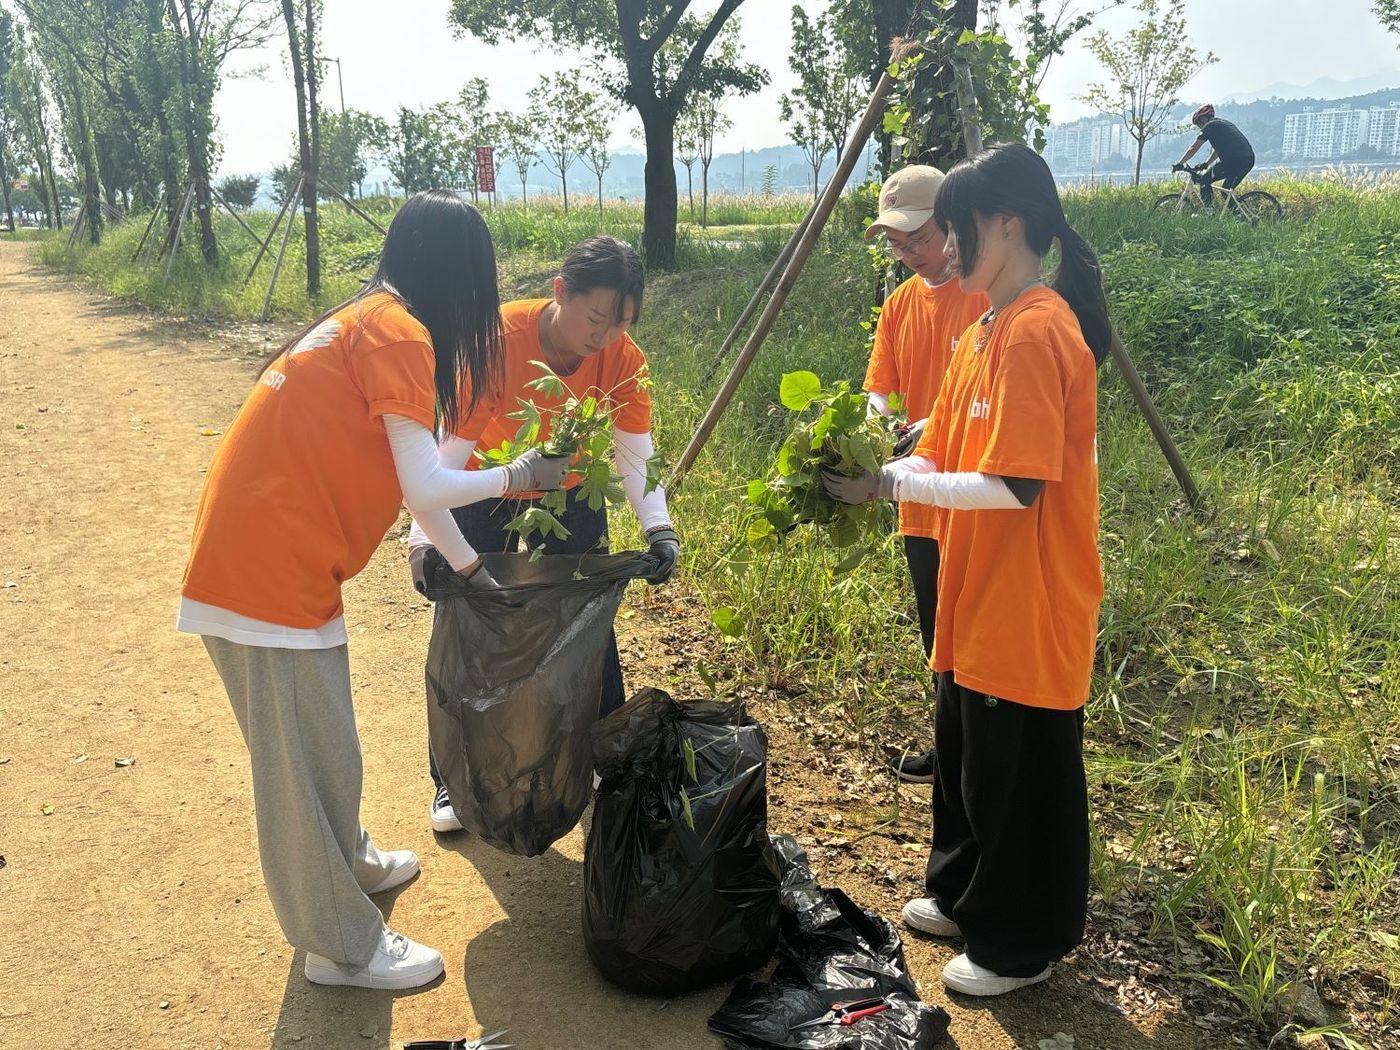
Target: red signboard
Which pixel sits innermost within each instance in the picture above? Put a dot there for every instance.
(486, 169)
(21, 183)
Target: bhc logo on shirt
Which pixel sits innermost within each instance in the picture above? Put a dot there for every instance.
(981, 409)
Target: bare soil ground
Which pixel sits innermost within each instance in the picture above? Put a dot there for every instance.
(131, 902)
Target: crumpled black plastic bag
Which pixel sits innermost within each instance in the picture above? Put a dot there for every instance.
(514, 678)
(830, 951)
(669, 908)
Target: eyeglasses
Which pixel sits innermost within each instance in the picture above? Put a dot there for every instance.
(913, 246)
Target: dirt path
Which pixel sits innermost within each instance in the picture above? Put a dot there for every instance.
(133, 911)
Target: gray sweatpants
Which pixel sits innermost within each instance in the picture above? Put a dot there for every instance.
(294, 708)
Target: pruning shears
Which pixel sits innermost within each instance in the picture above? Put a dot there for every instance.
(847, 1014)
(486, 1042)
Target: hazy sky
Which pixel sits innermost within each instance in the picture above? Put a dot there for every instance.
(403, 53)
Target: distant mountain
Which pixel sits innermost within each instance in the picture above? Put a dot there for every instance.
(1328, 88)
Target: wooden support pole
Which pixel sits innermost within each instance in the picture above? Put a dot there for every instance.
(347, 202)
(281, 253)
(179, 232)
(820, 214)
(762, 290)
(1155, 423)
(967, 105)
(77, 226)
(236, 217)
(272, 232)
(155, 214)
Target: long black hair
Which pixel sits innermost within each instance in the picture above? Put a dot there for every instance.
(606, 262)
(438, 261)
(1010, 178)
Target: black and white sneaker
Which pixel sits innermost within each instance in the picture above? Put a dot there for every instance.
(916, 769)
(441, 815)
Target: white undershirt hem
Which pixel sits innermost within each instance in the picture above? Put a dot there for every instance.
(200, 618)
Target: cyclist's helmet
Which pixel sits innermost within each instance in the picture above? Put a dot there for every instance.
(1202, 115)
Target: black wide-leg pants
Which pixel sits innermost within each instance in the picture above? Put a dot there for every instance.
(1010, 856)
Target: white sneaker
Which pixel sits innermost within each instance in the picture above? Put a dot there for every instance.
(924, 915)
(963, 975)
(397, 963)
(441, 815)
(403, 865)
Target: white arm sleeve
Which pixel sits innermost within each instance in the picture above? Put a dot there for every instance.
(633, 451)
(877, 404)
(918, 480)
(437, 528)
(426, 484)
(454, 454)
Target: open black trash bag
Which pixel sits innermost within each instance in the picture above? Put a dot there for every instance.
(669, 908)
(514, 678)
(831, 951)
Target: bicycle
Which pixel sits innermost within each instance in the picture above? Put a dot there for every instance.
(1253, 207)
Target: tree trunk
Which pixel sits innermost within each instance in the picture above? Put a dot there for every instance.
(311, 190)
(44, 158)
(892, 18)
(659, 210)
(600, 191)
(705, 196)
(564, 182)
(1137, 171)
(300, 64)
(524, 198)
(86, 151)
(5, 185)
(690, 187)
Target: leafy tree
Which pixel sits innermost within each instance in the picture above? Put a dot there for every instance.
(802, 113)
(516, 133)
(688, 148)
(469, 124)
(1147, 67)
(420, 150)
(559, 109)
(827, 77)
(25, 87)
(349, 141)
(770, 180)
(7, 120)
(709, 122)
(597, 129)
(1388, 11)
(240, 191)
(663, 53)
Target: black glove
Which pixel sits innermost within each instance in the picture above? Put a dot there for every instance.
(416, 556)
(1178, 167)
(909, 436)
(665, 546)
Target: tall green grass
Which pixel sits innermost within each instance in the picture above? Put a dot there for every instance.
(1244, 733)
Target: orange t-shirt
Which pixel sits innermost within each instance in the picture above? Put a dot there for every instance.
(303, 487)
(614, 374)
(915, 337)
(1019, 590)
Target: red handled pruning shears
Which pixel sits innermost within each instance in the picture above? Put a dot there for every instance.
(847, 1014)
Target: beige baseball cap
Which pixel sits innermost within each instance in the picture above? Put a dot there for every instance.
(906, 199)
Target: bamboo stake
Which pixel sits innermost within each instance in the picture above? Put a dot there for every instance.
(346, 201)
(155, 214)
(820, 214)
(967, 103)
(179, 232)
(277, 266)
(763, 288)
(77, 226)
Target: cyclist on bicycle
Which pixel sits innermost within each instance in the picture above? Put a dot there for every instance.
(1231, 156)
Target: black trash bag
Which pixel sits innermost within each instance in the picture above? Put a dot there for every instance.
(669, 908)
(514, 679)
(831, 951)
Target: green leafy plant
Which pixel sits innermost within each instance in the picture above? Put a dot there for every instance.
(840, 434)
(580, 428)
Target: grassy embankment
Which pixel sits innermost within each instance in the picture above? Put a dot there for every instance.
(1244, 728)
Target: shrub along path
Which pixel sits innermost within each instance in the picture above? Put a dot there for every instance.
(131, 892)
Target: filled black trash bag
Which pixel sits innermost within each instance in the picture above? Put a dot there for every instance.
(669, 908)
(514, 679)
(830, 951)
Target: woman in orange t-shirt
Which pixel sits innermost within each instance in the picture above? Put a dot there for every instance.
(1009, 453)
(582, 333)
(337, 434)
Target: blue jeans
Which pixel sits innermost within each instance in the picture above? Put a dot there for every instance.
(484, 526)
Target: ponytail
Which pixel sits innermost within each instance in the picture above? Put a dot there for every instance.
(1079, 281)
(1010, 178)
